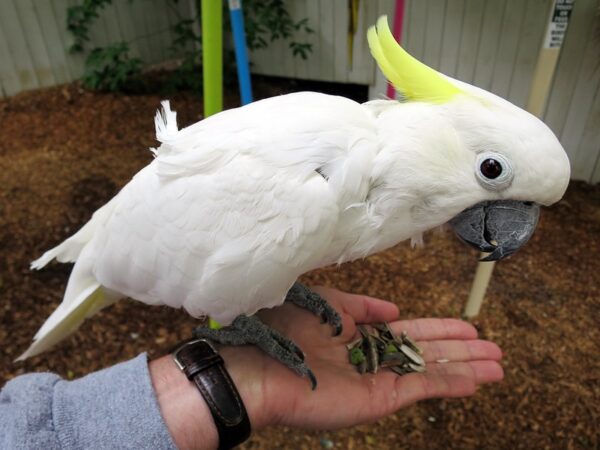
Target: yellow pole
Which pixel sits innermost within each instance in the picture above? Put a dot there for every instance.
(538, 95)
(483, 274)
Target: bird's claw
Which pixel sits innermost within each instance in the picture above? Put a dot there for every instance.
(250, 330)
(305, 298)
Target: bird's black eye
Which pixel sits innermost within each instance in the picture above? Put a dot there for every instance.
(493, 171)
(490, 168)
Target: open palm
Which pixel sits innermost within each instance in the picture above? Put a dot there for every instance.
(456, 363)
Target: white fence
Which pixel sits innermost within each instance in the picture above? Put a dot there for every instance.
(34, 40)
(490, 43)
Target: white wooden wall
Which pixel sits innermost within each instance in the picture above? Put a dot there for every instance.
(573, 111)
(34, 41)
(329, 59)
(490, 43)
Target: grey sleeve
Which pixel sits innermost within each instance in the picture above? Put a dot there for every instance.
(115, 408)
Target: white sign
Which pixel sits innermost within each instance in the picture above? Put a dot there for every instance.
(558, 23)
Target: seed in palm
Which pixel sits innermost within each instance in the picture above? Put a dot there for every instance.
(378, 347)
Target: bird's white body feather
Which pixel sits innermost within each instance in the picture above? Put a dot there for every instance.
(232, 210)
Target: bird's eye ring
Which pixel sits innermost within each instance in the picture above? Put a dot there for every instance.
(493, 171)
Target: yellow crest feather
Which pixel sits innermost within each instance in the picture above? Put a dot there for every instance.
(414, 79)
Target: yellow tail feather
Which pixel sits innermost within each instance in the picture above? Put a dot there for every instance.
(67, 318)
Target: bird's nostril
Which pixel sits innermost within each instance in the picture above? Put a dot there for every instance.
(528, 203)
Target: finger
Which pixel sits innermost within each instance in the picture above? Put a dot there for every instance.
(457, 350)
(362, 308)
(446, 380)
(479, 371)
(435, 329)
(412, 388)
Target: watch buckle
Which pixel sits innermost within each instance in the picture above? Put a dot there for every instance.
(176, 352)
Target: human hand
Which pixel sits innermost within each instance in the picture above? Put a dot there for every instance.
(274, 395)
(344, 397)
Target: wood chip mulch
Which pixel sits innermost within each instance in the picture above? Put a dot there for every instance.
(64, 152)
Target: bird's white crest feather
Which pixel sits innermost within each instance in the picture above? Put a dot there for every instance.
(166, 123)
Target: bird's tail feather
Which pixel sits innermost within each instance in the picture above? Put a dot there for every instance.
(84, 295)
(68, 250)
(71, 248)
(65, 252)
(68, 317)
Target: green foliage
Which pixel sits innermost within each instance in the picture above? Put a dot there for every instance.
(301, 49)
(188, 74)
(80, 18)
(111, 67)
(270, 19)
(187, 43)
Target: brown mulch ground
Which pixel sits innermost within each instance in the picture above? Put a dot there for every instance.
(64, 152)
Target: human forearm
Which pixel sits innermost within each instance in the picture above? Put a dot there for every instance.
(185, 413)
(105, 409)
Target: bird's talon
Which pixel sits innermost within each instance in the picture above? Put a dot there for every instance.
(313, 302)
(337, 330)
(312, 378)
(300, 354)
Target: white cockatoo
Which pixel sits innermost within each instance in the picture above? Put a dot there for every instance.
(234, 208)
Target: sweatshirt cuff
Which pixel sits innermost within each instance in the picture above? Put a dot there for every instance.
(113, 408)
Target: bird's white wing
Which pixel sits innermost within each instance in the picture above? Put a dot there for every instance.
(298, 133)
(222, 244)
(227, 217)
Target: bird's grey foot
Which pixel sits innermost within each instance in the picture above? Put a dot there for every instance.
(250, 330)
(303, 297)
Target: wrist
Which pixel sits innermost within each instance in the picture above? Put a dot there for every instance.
(184, 411)
(244, 365)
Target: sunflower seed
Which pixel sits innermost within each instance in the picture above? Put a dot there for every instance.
(416, 367)
(362, 367)
(372, 355)
(353, 344)
(398, 357)
(412, 355)
(380, 347)
(413, 345)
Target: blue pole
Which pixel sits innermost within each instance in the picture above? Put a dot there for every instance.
(241, 53)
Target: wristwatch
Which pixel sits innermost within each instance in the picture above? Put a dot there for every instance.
(203, 366)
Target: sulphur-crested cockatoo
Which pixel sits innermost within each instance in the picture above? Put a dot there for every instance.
(233, 209)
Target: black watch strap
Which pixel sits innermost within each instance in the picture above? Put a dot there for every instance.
(205, 368)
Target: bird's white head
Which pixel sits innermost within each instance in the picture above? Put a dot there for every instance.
(483, 162)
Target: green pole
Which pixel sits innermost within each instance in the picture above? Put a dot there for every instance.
(212, 64)
(212, 55)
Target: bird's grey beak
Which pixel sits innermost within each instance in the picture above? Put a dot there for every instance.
(498, 227)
